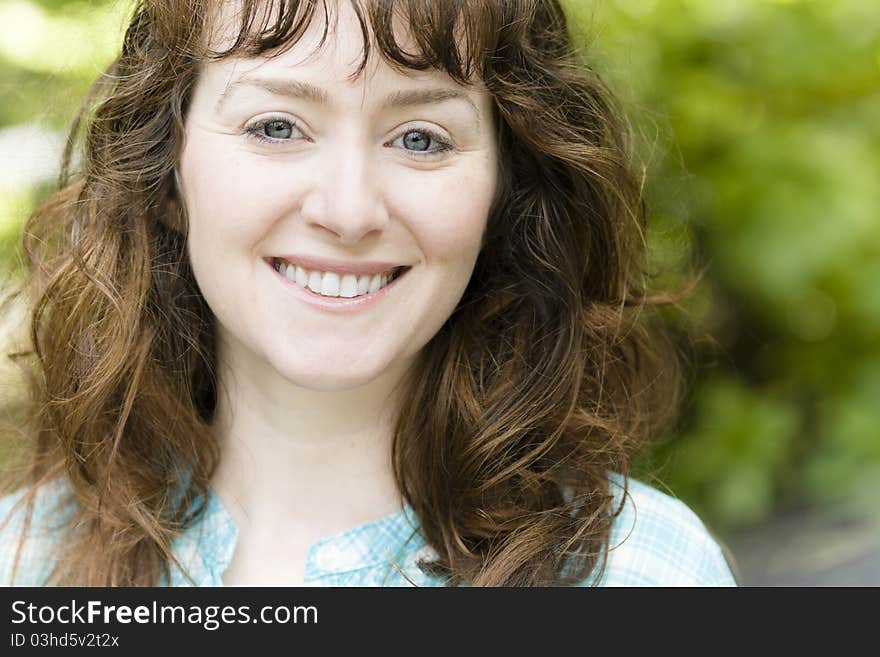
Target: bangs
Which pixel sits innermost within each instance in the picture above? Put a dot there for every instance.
(458, 37)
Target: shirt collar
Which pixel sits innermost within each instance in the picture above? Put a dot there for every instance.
(205, 549)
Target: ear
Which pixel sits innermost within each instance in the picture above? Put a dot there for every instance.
(174, 215)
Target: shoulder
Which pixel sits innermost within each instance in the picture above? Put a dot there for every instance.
(657, 540)
(41, 524)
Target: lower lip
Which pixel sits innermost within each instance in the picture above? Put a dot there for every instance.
(340, 305)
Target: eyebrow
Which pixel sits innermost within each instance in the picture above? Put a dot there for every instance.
(295, 89)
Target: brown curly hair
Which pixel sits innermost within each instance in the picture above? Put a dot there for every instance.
(546, 377)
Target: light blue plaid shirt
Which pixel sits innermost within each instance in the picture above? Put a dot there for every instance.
(655, 541)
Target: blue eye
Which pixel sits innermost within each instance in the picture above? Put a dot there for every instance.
(417, 141)
(278, 129)
(273, 130)
(421, 143)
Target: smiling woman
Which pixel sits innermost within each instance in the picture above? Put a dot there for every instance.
(393, 171)
(346, 293)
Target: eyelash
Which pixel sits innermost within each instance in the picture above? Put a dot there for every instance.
(255, 131)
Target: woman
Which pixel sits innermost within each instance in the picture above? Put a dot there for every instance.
(347, 293)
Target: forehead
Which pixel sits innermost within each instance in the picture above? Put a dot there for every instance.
(330, 37)
(334, 59)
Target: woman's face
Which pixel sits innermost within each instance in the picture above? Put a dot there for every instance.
(300, 185)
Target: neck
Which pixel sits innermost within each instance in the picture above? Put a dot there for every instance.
(296, 460)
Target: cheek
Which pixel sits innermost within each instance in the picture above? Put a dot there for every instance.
(232, 198)
(229, 210)
(448, 214)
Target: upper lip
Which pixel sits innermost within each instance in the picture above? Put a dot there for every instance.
(339, 266)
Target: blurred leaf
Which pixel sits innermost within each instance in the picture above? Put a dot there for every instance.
(728, 461)
(758, 120)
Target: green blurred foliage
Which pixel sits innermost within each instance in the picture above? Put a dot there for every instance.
(758, 121)
(50, 53)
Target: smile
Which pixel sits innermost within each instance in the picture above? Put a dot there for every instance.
(336, 284)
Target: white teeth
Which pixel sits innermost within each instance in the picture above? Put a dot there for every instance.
(315, 281)
(348, 286)
(302, 277)
(331, 284)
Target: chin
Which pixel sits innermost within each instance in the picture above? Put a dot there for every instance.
(328, 377)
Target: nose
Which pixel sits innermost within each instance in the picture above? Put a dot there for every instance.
(345, 198)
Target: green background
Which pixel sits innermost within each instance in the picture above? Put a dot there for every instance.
(760, 124)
